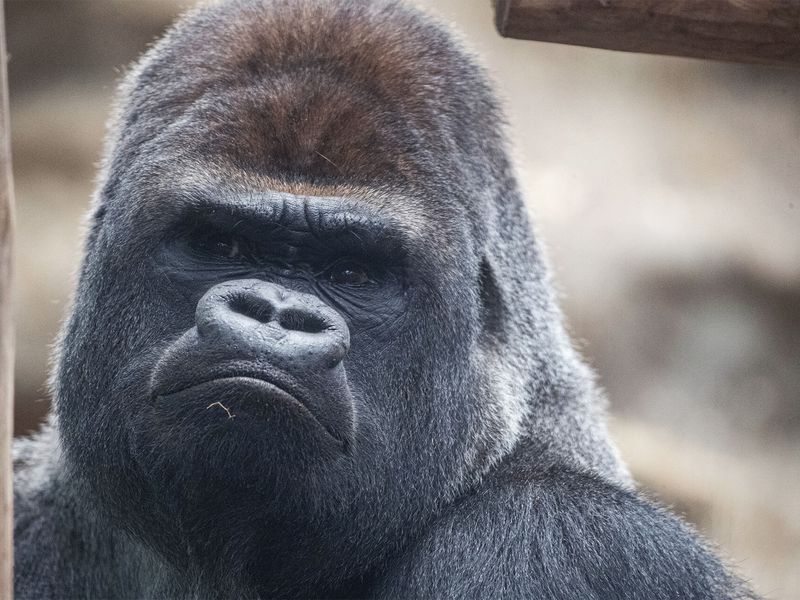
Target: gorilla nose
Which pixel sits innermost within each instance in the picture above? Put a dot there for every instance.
(257, 319)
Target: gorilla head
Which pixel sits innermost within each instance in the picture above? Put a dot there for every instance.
(312, 315)
(311, 310)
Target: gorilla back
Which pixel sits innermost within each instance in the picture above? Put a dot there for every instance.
(313, 349)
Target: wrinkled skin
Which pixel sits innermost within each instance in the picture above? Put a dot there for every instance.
(313, 349)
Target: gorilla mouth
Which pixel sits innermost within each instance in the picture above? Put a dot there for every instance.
(254, 404)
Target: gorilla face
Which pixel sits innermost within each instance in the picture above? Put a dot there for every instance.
(241, 359)
(300, 320)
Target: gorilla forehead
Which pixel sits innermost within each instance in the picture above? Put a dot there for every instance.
(350, 91)
(295, 124)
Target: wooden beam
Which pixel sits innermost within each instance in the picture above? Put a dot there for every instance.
(6, 331)
(750, 31)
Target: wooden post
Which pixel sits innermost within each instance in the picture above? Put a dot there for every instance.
(752, 31)
(6, 331)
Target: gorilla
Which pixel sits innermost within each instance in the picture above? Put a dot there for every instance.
(314, 349)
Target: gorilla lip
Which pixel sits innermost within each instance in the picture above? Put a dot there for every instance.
(270, 389)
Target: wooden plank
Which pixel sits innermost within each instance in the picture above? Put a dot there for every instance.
(6, 331)
(751, 31)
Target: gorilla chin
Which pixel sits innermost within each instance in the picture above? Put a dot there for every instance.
(198, 433)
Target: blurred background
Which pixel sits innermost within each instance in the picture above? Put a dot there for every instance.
(667, 192)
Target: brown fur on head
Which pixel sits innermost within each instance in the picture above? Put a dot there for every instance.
(356, 90)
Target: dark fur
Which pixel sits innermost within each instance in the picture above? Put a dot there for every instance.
(476, 462)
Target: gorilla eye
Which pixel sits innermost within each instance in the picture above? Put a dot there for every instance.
(348, 272)
(217, 244)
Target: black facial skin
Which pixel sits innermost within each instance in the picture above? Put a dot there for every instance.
(314, 350)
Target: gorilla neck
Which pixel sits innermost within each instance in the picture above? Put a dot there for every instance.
(219, 559)
(282, 558)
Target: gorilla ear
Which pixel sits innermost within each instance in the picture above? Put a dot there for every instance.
(493, 310)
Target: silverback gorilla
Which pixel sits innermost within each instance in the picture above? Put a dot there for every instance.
(314, 350)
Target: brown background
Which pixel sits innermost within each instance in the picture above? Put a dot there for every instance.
(667, 190)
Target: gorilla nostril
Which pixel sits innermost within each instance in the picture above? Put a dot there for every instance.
(294, 319)
(256, 308)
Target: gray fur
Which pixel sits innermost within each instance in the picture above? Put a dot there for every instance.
(481, 462)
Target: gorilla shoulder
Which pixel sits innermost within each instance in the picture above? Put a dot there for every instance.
(559, 534)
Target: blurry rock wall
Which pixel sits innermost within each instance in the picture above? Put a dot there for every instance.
(667, 192)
